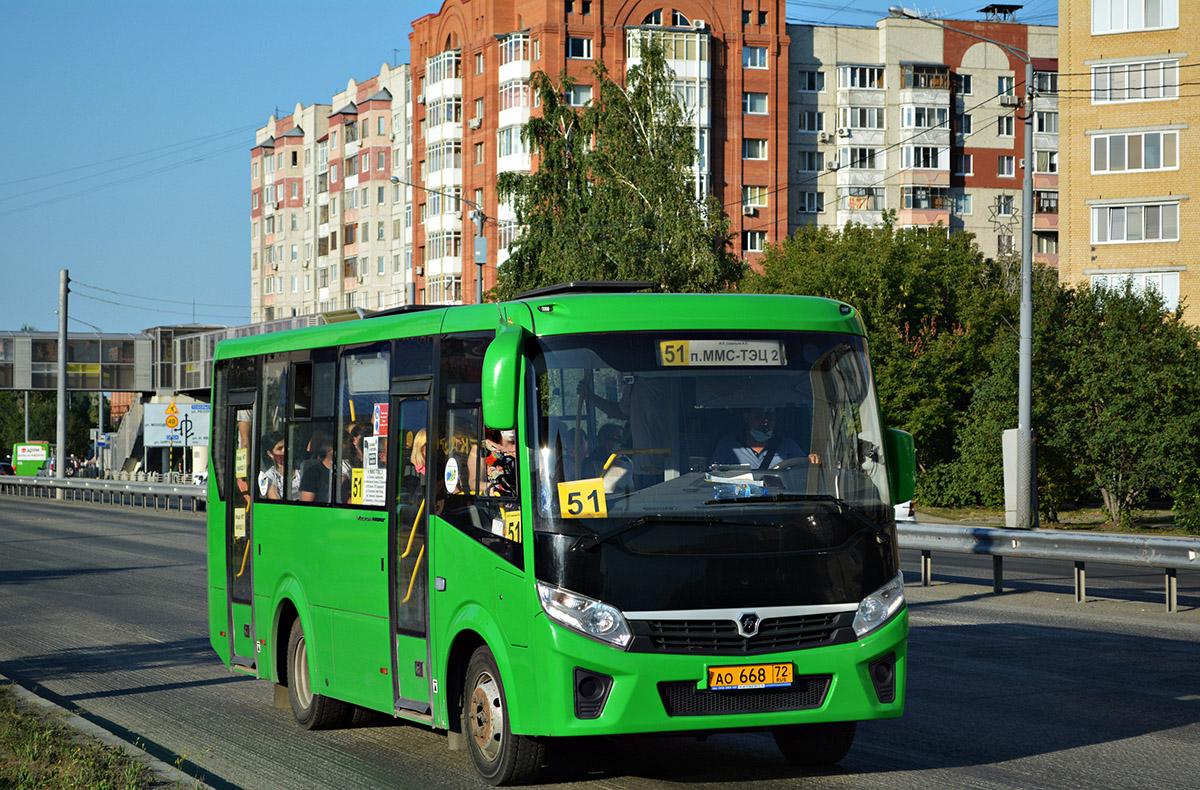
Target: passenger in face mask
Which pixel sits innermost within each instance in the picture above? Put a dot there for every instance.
(757, 444)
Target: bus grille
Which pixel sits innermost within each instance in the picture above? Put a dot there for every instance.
(721, 637)
(684, 699)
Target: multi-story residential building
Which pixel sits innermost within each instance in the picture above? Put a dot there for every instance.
(471, 65)
(915, 117)
(330, 230)
(1126, 176)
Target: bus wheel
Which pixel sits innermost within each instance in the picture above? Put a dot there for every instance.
(312, 711)
(500, 757)
(815, 744)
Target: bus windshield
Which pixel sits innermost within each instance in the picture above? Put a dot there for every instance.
(637, 433)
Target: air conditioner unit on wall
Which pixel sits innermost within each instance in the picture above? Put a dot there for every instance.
(843, 131)
(699, 24)
(833, 165)
(473, 123)
(420, 98)
(1008, 100)
(823, 137)
(747, 211)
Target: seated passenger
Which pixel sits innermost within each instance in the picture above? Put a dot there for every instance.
(270, 479)
(316, 478)
(756, 445)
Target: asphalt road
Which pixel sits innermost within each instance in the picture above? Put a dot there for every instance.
(102, 611)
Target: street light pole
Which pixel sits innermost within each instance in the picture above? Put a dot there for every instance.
(1026, 474)
(478, 218)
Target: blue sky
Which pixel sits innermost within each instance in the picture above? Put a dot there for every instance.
(129, 126)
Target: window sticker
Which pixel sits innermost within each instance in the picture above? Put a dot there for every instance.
(512, 525)
(583, 499)
(241, 463)
(451, 475)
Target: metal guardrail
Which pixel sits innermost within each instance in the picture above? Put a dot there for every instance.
(108, 491)
(1170, 554)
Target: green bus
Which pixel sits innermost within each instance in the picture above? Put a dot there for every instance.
(577, 513)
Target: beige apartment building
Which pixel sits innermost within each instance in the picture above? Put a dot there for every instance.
(916, 117)
(329, 228)
(1128, 79)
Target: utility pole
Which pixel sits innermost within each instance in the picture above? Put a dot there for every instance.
(60, 451)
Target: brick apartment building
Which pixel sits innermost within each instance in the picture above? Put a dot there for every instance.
(1128, 80)
(924, 121)
(471, 65)
(329, 229)
(368, 201)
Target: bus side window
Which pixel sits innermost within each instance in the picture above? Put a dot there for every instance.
(362, 423)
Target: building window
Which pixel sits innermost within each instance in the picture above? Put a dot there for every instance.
(1047, 243)
(964, 164)
(964, 124)
(478, 153)
(924, 157)
(1135, 223)
(810, 161)
(1045, 161)
(478, 62)
(580, 48)
(754, 196)
(963, 84)
(1150, 81)
(1136, 151)
(919, 197)
(379, 234)
(861, 77)
(1045, 202)
(1004, 205)
(862, 158)
(861, 117)
(754, 148)
(962, 204)
(1006, 86)
(754, 240)
(913, 76)
(1045, 81)
(509, 141)
(514, 93)
(1166, 284)
(754, 57)
(811, 121)
(579, 96)
(754, 103)
(1122, 16)
(1045, 122)
(1006, 126)
(861, 198)
(810, 81)
(922, 117)
(1004, 244)
(811, 203)
(1005, 166)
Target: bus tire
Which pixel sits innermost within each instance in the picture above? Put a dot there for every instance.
(312, 711)
(820, 744)
(500, 757)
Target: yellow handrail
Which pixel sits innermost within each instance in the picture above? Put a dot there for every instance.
(413, 580)
(413, 532)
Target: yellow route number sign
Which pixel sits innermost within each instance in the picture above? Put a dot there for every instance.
(583, 499)
(512, 525)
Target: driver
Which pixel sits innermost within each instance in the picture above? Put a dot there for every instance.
(756, 445)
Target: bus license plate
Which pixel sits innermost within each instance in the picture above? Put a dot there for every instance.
(749, 676)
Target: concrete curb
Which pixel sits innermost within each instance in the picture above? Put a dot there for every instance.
(168, 774)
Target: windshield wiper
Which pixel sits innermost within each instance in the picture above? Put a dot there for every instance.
(842, 504)
(591, 540)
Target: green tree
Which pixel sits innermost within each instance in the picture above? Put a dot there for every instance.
(931, 303)
(1130, 415)
(613, 196)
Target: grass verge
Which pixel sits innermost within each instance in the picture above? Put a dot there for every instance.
(38, 753)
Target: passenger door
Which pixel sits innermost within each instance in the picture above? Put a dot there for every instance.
(239, 562)
(409, 493)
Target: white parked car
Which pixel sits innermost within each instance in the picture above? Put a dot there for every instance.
(904, 511)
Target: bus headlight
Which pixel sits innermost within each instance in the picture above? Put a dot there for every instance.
(585, 615)
(878, 607)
